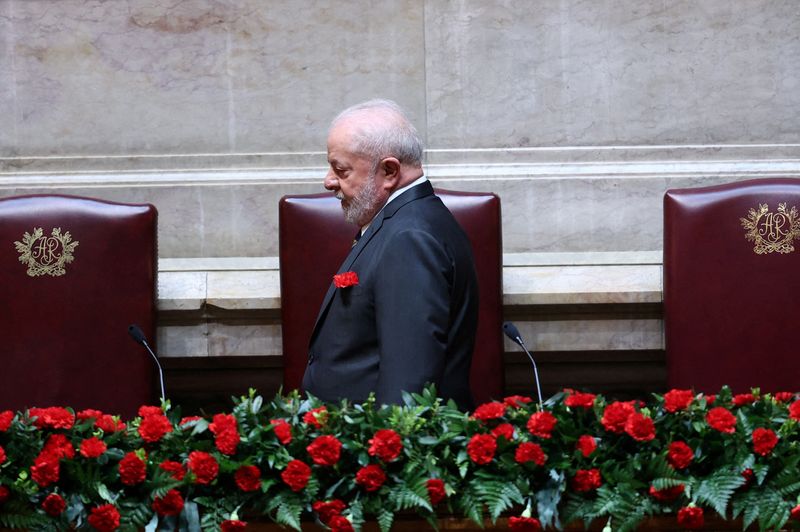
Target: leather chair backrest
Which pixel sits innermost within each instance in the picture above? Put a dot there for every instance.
(315, 239)
(732, 286)
(75, 273)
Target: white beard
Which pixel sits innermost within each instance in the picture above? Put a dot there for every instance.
(362, 207)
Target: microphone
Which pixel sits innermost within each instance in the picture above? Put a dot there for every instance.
(137, 334)
(513, 333)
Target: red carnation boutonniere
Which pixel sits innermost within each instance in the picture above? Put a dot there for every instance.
(345, 280)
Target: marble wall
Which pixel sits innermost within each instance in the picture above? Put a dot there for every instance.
(139, 77)
(579, 114)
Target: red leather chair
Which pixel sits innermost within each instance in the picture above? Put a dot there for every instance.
(75, 272)
(731, 286)
(315, 239)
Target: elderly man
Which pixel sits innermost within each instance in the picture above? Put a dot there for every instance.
(405, 310)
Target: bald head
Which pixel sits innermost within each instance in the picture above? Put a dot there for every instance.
(380, 129)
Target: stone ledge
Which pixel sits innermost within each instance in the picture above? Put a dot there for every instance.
(253, 283)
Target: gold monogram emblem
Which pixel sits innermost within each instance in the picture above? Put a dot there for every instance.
(772, 231)
(46, 255)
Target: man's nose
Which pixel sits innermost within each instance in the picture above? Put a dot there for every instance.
(331, 182)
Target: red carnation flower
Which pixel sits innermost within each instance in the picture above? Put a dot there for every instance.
(145, 411)
(2, 455)
(721, 419)
(743, 399)
(53, 417)
(679, 455)
(226, 433)
(710, 398)
(45, 469)
(386, 445)
(223, 422)
(170, 504)
(176, 469)
(132, 469)
(749, 477)
(795, 513)
(60, 446)
(6, 417)
(296, 475)
(530, 452)
(326, 510)
(667, 494)
(283, 431)
(489, 411)
(54, 505)
(640, 427)
(506, 430)
(516, 401)
(104, 518)
(227, 441)
(108, 424)
(325, 450)
(616, 415)
(524, 524)
(345, 280)
(340, 523)
(586, 480)
(93, 447)
(580, 400)
(316, 417)
(586, 445)
(88, 413)
(154, 427)
(371, 477)
(436, 491)
(783, 397)
(248, 478)
(481, 448)
(764, 440)
(691, 517)
(541, 424)
(675, 400)
(204, 466)
(5, 493)
(794, 410)
(233, 525)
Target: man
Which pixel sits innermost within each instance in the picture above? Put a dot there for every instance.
(411, 317)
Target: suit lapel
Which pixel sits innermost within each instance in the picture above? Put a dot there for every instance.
(419, 191)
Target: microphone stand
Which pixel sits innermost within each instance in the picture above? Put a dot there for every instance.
(137, 334)
(513, 333)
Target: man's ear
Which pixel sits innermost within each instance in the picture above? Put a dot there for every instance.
(390, 168)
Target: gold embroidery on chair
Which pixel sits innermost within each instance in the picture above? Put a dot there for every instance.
(772, 231)
(46, 255)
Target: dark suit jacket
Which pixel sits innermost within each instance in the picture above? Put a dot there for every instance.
(413, 315)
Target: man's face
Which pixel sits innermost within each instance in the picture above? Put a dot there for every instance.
(352, 178)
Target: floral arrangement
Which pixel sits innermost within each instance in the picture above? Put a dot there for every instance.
(576, 458)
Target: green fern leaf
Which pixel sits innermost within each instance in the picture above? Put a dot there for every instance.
(576, 509)
(606, 503)
(357, 514)
(402, 497)
(666, 482)
(773, 511)
(385, 519)
(717, 489)
(497, 496)
(289, 513)
(470, 506)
